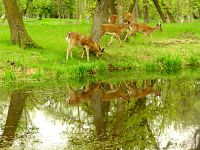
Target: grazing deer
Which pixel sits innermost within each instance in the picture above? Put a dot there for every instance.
(143, 28)
(77, 39)
(114, 30)
(114, 19)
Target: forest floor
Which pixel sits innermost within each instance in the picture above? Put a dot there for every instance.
(175, 48)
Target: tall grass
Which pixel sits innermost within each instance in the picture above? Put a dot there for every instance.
(138, 53)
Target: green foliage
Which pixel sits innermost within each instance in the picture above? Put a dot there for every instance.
(170, 63)
(9, 75)
(194, 61)
(38, 75)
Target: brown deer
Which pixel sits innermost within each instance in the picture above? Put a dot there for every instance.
(114, 19)
(77, 39)
(127, 17)
(136, 92)
(114, 30)
(142, 28)
(86, 94)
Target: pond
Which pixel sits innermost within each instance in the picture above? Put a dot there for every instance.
(117, 113)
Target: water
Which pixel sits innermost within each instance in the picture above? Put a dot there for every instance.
(116, 113)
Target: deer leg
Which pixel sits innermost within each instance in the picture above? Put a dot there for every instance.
(111, 40)
(129, 34)
(87, 52)
(83, 53)
(69, 49)
(118, 37)
(126, 36)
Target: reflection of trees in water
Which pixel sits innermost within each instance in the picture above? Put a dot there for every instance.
(118, 129)
(121, 114)
(136, 119)
(17, 104)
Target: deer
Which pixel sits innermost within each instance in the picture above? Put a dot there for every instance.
(142, 28)
(76, 39)
(114, 30)
(86, 94)
(113, 19)
(137, 93)
(127, 17)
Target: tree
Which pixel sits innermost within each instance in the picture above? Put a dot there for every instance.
(162, 16)
(17, 104)
(112, 7)
(132, 6)
(100, 16)
(146, 11)
(169, 15)
(19, 34)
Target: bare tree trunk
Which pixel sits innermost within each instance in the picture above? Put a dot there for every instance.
(119, 117)
(98, 113)
(19, 34)
(17, 104)
(112, 7)
(146, 11)
(189, 11)
(169, 15)
(132, 6)
(100, 16)
(182, 12)
(162, 16)
(178, 8)
(135, 12)
(77, 11)
(27, 5)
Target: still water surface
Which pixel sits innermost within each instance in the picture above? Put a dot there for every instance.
(148, 113)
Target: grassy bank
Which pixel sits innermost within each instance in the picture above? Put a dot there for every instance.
(177, 47)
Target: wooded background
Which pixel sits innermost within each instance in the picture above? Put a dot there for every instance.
(96, 10)
(169, 10)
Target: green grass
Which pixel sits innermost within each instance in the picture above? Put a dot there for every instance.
(161, 52)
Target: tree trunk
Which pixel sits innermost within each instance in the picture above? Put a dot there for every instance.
(19, 34)
(189, 11)
(100, 16)
(119, 117)
(17, 104)
(135, 12)
(112, 7)
(27, 5)
(169, 15)
(132, 6)
(146, 11)
(162, 16)
(98, 113)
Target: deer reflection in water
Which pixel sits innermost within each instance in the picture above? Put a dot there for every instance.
(108, 92)
(100, 96)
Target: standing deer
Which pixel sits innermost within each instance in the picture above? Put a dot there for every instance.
(77, 39)
(142, 28)
(114, 30)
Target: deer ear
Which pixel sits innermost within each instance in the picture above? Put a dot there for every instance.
(102, 50)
